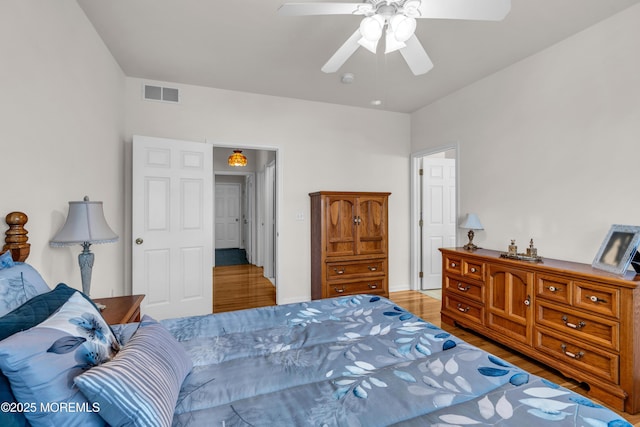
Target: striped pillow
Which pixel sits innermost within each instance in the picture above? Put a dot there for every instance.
(140, 385)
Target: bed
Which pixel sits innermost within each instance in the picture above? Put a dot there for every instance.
(351, 361)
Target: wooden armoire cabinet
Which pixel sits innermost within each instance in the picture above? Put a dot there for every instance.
(349, 243)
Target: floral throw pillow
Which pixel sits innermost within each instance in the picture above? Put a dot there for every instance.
(42, 362)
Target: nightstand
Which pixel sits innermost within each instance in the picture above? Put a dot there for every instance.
(125, 309)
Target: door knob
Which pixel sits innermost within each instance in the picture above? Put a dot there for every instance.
(139, 241)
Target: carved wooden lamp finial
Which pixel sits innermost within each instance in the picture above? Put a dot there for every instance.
(16, 240)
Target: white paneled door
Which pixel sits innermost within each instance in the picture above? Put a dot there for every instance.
(228, 215)
(172, 221)
(438, 215)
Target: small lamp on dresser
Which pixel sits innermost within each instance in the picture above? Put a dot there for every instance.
(471, 222)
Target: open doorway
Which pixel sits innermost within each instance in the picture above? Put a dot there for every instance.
(434, 213)
(245, 228)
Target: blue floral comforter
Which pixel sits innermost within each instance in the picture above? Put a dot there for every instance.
(357, 361)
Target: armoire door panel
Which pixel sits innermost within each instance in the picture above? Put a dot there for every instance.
(371, 226)
(341, 232)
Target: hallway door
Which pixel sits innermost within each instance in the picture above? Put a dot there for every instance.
(438, 216)
(228, 215)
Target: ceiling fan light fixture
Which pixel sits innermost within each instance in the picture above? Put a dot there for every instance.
(402, 27)
(371, 27)
(392, 43)
(398, 18)
(371, 46)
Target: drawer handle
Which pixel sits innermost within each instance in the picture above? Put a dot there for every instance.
(595, 299)
(554, 289)
(463, 288)
(578, 326)
(372, 268)
(576, 356)
(339, 290)
(373, 286)
(453, 264)
(463, 310)
(473, 269)
(340, 271)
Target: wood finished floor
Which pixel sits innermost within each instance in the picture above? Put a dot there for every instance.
(244, 286)
(236, 287)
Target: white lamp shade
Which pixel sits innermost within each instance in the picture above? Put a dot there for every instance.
(371, 46)
(472, 222)
(85, 224)
(392, 44)
(371, 27)
(402, 26)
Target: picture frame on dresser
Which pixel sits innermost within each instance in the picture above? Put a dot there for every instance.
(617, 249)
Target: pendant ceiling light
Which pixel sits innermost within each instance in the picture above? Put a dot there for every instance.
(237, 159)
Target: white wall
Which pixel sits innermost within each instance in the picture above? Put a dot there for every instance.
(549, 146)
(61, 129)
(321, 147)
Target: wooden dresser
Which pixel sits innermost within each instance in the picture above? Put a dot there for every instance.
(349, 243)
(581, 321)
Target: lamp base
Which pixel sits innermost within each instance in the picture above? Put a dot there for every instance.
(470, 246)
(85, 260)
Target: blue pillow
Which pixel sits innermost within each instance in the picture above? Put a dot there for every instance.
(19, 284)
(35, 310)
(28, 315)
(6, 260)
(140, 385)
(42, 361)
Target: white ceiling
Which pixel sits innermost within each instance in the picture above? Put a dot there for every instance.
(245, 45)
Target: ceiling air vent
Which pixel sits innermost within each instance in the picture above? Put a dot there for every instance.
(159, 93)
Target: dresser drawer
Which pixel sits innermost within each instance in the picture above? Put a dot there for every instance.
(372, 286)
(554, 288)
(337, 270)
(581, 326)
(463, 308)
(468, 289)
(587, 359)
(597, 298)
(464, 267)
(453, 264)
(473, 269)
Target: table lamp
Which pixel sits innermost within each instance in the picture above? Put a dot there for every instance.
(85, 225)
(471, 222)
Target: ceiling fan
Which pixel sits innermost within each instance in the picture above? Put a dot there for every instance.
(396, 19)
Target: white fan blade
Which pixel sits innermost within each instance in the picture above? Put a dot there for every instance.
(346, 50)
(301, 9)
(416, 57)
(483, 10)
